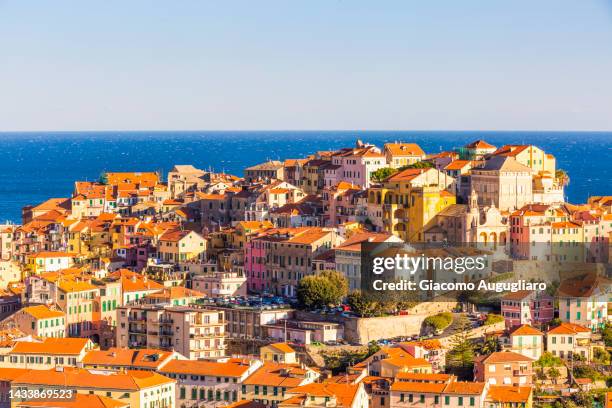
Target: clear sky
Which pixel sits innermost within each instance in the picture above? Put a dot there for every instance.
(309, 64)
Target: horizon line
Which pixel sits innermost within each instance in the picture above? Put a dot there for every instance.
(304, 130)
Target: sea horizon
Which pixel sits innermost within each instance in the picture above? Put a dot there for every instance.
(32, 173)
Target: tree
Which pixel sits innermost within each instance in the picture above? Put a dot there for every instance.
(493, 319)
(381, 174)
(607, 335)
(490, 345)
(460, 358)
(554, 374)
(440, 321)
(103, 179)
(418, 165)
(600, 356)
(549, 360)
(361, 305)
(325, 289)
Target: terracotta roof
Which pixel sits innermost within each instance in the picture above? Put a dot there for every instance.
(232, 368)
(344, 393)
(282, 347)
(518, 295)
(404, 149)
(408, 174)
(93, 379)
(42, 312)
(526, 330)
(457, 387)
(50, 254)
(479, 144)
(568, 328)
(79, 401)
(582, 286)
(51, 345)
(123, 357)
(410, 386)
(505, 357)
(135, 282)
(458, 164)
(275, 374)
(175, 235)
(508, 393)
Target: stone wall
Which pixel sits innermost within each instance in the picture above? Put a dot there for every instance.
(358, 330)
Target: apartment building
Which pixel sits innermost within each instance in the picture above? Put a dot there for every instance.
(46, 353)
(527, 308)
(568, 339)
(212, 383)
(41, 321)
(270, 382)
(527, 341)
(193, 332)
(137, 388)
(504, 368)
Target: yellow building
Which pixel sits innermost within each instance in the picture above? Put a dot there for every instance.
(531, 156)
(270, 383)
(410, 199)
(47, 261)
(77, 298)
(403, 154)
(180, 246)
(278, 353)
(46, 353)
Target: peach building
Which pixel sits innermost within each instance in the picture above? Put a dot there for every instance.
(209, 383)
(41, 321)
(137, 388)
(269, 383)
(569, 339)
(527, 341)
(323, 395)
(504, 368)
(402, 154)
(193, 332)
(503, 182)
(48, 353)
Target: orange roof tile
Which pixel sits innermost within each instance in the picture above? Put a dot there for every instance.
(92, 379)
(232, 368)
(275, 374)
(508, 394)
(79, 401)
(52, 345)
(42, 312)
(344, 393)
(505, 357)
(568, 328)
(526, 330)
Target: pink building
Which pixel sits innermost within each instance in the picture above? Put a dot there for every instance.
(340, 203)
(356, 164)
(534, 308)
(255, 266)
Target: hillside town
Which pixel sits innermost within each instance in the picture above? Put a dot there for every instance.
(198, 288)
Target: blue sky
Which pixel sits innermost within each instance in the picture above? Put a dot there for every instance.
(258, 64)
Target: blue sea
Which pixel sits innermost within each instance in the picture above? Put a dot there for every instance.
(37, 165)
